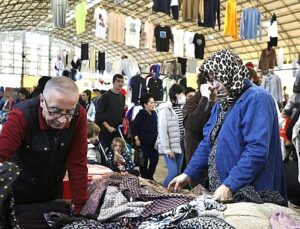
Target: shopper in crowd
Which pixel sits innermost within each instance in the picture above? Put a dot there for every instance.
(96, 150)
(196, 113)
(189, 92)
(23, 94)
(252, 73)
(110, 112)
(144, 131)
(43, 136)
(86, 97)
(171, 132)
(119, 160)
(40, 87)
(98, 94)
(241, 147)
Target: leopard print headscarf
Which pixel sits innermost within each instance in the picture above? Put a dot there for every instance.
(228, 68)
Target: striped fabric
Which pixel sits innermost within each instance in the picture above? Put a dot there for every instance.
(179, 114)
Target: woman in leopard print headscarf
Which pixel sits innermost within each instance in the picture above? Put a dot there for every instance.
(241, 146)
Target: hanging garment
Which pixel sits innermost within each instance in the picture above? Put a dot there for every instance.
(267, 59)
(175, 9)
(178, 39)
(116, 27)
(101, 61)
(272, 32)
(133, 29)
(199, 42)
(59, 11)
(93, 60)
(100, 17)
(162, 35)
(272, 83)
(155, 88)
(191, 66)
(250, 23)
(189, 45)
(190, 10)
(138, 88)
(85, 51)
(80, 16)
(149, 34)
(162, 6)
(182, 62)
(211, 14)
(230, 21)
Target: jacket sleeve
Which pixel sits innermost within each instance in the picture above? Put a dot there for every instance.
(256, 140)
(199, 160)
(196, 118)
(163, 131)
(77, 162)
(137, 122)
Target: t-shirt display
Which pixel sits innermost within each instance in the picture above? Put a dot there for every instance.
(162, 35)
(149, 32)
(116, 24)
(59, 11)
(100, 16)
(189, 45)
(178, 37)
(199, 41)
(132, 35)
(156, 88)
(162, 6)
(80, 16)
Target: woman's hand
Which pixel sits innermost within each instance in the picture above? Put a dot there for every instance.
(223, 193)
(179, 182)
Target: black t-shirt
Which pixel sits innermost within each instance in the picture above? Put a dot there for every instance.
(138, 88)
(199, 41)
(162, 6)
(162, 36)
(156, 88)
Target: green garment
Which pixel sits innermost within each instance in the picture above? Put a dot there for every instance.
(80, 16)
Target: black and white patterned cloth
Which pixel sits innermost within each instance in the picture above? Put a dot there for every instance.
(84, 224)
(204, 223)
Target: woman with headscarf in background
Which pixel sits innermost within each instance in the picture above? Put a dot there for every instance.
(241, 145)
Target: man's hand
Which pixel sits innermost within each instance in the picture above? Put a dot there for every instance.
(171, 154)
(179, 182)
(110, 129)
(223, 193)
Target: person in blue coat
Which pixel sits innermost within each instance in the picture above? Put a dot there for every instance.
(241, 145)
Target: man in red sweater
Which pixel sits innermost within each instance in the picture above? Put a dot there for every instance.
(45, 136)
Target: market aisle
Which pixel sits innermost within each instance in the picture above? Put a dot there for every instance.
(161, 170)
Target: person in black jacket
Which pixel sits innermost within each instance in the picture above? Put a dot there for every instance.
(144, 130)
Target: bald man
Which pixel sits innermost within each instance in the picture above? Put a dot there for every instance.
(46, 136)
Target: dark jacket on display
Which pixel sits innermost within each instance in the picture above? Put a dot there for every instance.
(41, 158)
(145, 127)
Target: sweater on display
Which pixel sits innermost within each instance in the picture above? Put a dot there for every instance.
(250, 23)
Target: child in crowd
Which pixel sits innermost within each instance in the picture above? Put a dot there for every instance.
(119, 160)
(96, 150)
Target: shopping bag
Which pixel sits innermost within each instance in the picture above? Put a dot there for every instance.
(138, 157)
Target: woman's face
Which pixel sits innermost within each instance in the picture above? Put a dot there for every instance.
(218, 87)
(84, 97)
(150, 105)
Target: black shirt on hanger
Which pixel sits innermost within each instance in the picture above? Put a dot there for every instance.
(162, 37)
(211, 14)
(182, 62)
(156, 88)
(101, 61)
(199, 41)
(162, 6)
(85, 51)
(138, 88)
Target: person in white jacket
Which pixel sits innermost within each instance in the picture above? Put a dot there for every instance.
(171, 132)
(86, 97)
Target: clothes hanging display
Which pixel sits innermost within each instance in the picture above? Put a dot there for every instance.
(163, 6)
(190, 10)
(267, 59)
(162, 35)
(101, 61)
(116, 27)
(199, 42)
(133, 29)
(92, 60)
(230, 21)
(138, 88)
(80, 16)
(250, 23)
(58, 65)
(59, 11)
(211, 14)
(85, 51)
(175, 9)
(272, 83)
(155, 88)
(178, 38)
(189, 45)
(182, 62)
(100, 17)
(272, 32)
(149, 33)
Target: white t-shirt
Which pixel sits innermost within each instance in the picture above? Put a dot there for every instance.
(132, 35)
(189, 45)
(272, 29)
(100, 16)
(178, 36)
(174, 3)
(149, 34)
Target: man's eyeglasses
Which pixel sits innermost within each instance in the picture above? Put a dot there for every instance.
(56, 113)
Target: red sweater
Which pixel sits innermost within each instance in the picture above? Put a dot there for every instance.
(13, 134)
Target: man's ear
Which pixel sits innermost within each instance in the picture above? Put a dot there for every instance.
(41, 100)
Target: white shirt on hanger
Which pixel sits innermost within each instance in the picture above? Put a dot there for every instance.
(132, 35)
(149, 34)
(178, 37)
(100, 16)
(174, 3)
(189, 45)
(272, 29)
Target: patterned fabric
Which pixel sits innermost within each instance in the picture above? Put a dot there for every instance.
(249, 194)
(84, 224)
(228, 68)
(125, 165)
(204, 223)
(213, 177)
(179, 114)
(115, 206)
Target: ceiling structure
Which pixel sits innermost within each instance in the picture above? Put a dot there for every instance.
(35, 15)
